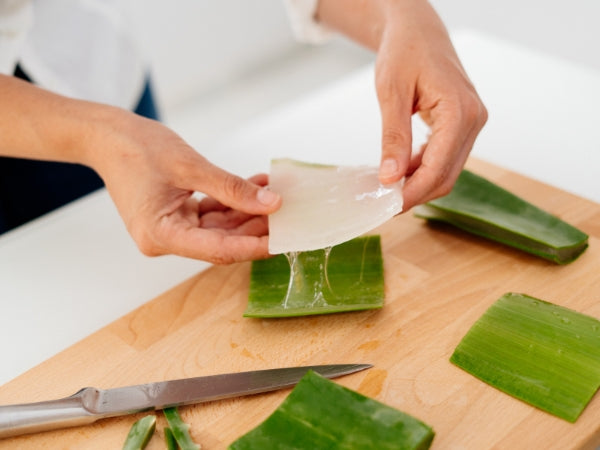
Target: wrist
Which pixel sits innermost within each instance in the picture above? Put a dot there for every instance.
(361, 20)
(104, 135)
(369, 21)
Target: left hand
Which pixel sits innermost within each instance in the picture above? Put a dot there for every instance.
(417, 71)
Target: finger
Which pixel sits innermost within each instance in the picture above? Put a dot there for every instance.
(232, 190)
(443, 157)
(256, 226)
(217, 247)
(224, 219)
(434, 177)
(416, 160)
(208, 204)
(396, 139)
(262, 179)
(236, 225)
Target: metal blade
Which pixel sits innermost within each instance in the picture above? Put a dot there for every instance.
(91, 404)
(205, 389)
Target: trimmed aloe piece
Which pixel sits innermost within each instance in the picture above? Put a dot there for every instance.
(348, 277)
(481, 207)
(326, 205)
(170, 440)
(319, 414)
(543, 354)
(179, 429)
(140, 433)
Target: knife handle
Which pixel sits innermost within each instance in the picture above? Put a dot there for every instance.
(42, 416)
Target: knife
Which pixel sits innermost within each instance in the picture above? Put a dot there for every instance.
(91, 404)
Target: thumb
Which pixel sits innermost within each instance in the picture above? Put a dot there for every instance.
(396, 137)
(236, 192)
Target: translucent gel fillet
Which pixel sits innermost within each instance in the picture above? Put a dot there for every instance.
(326, 205)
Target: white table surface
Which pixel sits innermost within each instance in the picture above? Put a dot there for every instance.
(75, 270)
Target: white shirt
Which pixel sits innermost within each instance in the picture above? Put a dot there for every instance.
(78, 48)
(87, 49)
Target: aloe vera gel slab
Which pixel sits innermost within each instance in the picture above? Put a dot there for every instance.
(323, 205)
(538, 352)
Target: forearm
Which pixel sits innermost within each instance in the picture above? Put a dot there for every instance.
(37, 124)
(360, 20)
(366, 21)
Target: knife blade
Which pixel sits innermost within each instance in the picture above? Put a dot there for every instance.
(91, 404)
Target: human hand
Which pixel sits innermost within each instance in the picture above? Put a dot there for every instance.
(416, 71)
(151, 175)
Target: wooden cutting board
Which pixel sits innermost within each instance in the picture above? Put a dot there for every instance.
(438, 282)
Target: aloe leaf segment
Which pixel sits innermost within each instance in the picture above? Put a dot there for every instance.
(481, 207)
(321, 414)
(541, 353)
(347, 277)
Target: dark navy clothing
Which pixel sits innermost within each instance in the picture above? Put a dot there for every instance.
(30, 188)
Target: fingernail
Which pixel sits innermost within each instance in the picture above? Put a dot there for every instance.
(267, 197)
(388, 169)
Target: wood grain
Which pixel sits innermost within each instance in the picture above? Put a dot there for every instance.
(438, 282)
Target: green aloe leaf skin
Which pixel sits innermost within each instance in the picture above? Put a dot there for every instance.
(140, 433)
(320, 414)
(347, 277)
(538, 352)
(170, 440)
(179, 429)
(479, 206)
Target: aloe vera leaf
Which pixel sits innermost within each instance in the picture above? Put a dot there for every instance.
(170, 440)
(180, 429)
(349, 277)
(320, 414)
(541, 353)
(481, 207)
(323, 206)
(140, 433)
